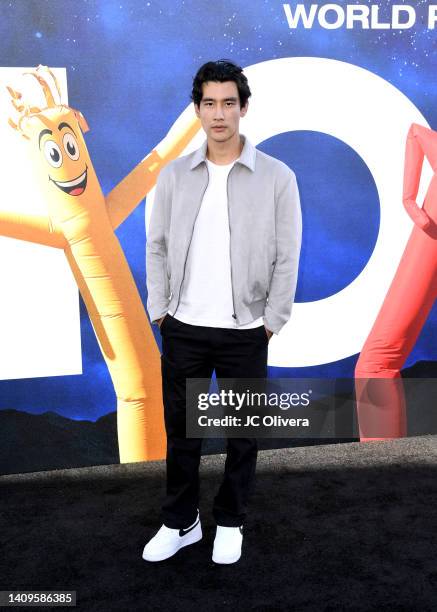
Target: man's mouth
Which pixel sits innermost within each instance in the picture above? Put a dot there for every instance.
(74, 187)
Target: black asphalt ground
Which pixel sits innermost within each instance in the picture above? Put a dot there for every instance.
(333, 527)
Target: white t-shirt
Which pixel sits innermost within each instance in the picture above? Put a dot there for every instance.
(206, 294)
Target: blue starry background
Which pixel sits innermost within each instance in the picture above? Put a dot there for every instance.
(130, 65)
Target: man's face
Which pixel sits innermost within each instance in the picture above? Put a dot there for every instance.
(219, 111)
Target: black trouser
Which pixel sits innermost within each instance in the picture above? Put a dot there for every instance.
(193, 351)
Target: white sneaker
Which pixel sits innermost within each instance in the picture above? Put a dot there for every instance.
(227, 544)
(168, 541)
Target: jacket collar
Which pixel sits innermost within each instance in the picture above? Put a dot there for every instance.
(247, 156)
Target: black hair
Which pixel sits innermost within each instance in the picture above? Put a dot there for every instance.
(221, 71)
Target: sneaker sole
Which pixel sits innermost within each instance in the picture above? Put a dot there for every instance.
(196, 537)
(226, 561)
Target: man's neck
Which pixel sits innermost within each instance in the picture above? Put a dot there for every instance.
(223, 153)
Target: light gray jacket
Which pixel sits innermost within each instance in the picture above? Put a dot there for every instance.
(265, 227)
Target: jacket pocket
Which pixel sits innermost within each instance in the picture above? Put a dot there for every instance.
(272, 269)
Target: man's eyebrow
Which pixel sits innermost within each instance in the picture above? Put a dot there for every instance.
(41, 134)
(63, 125)
(230, 99)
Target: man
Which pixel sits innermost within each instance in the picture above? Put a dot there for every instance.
(222, 260)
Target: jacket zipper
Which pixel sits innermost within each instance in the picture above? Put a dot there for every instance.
(234, 314)
(191, 238)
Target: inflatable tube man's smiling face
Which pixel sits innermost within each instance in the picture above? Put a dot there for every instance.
(55, 133)
(61, 146)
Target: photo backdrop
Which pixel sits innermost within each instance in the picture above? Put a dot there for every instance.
(335, 88)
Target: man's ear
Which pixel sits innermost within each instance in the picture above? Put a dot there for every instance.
(196, 110)
(244, 109)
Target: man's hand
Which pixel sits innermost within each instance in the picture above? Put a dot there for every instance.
(268, 332)
(159, 321)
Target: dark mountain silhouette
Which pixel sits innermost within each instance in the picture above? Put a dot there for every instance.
(421, 369)
(31, 443)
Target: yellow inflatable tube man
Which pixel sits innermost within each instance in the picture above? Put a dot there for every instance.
(82, 222)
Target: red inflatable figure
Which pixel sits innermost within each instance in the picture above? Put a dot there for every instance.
(379, 388)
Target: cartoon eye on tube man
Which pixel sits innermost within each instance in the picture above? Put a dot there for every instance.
(81, 221)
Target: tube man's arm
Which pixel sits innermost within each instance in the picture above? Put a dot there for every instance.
(31, 228)
(421, 141)
(123, 199)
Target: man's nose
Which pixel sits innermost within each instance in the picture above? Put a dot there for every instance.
(219, 114)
